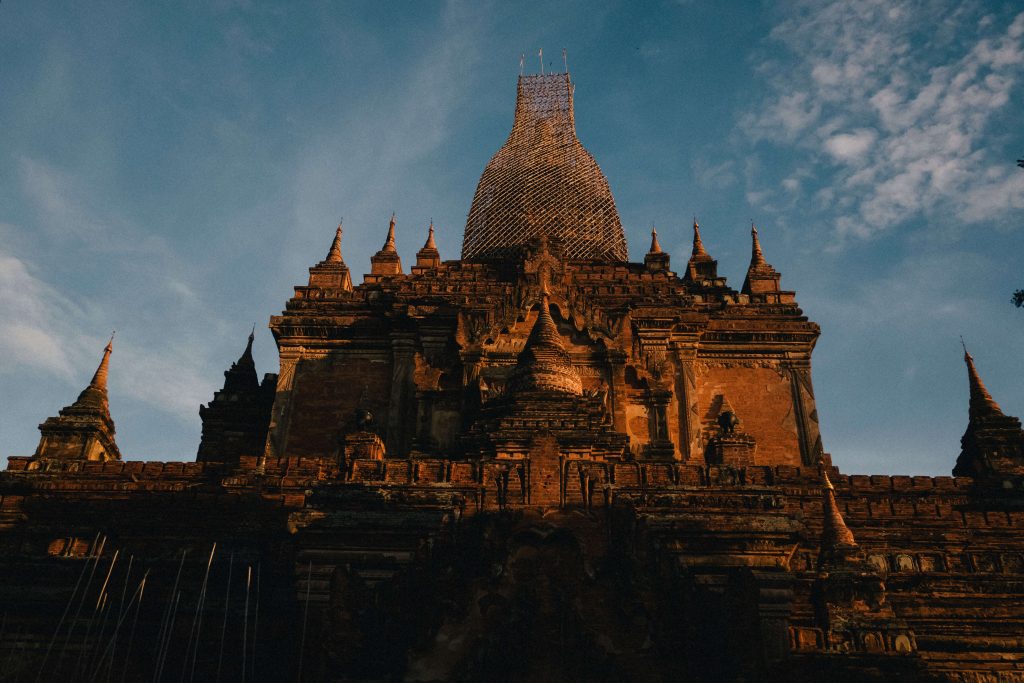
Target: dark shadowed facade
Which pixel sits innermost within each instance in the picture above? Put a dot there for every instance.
(542, 461)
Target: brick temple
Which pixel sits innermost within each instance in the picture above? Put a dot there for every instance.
(540, 461)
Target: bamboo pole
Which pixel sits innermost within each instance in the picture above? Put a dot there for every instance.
(245, 621)
(197, 621)
(305, 618)
(170, 632)
(131, 635)
(227, 608)
(117, 627)
(103, 607)
(256, 617)
(166, 619)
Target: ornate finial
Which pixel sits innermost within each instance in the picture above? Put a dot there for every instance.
(252, 335)
(756, 256)
(698, 246)
(981, 402)
(334, 254)
(655, 247)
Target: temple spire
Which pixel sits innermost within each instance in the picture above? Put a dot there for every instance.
(386, 262)
(756, 256)
(982, 404)
(83, 430)
(834, 532)
(837, 542)
(389, 243)
(331, 273)
(656, 260)
(99, 378)
(430, 237)
(429, 256)
(247, 354)
(334, 255)
(698, 246)
(763, 282)
(701, 268)
(655, 246)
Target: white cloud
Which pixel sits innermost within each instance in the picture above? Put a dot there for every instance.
(850, 146)
(900, 120)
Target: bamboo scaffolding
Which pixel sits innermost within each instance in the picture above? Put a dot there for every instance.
(543, 182)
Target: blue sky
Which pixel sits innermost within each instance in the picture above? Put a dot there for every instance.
(171, 170)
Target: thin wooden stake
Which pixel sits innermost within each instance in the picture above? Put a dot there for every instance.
(245, 621)
(166, 619)
(197, 621)
(227, 608)
(131, 636)
(305, 618)
(256, 617)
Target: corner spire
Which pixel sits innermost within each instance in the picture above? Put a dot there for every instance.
(334, 255)
(386, 261)
(83, 430)
(698, 245)
(655, 247)
(701, 268)
(837, 540)
(389, 243)
(756, 256)
(982, 404)
(763, 282)
(99, 378)
(993, 444)
(430, 237)
(656, 260)
(429, 256)
(331, 273)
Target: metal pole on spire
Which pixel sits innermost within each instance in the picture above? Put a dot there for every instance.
(522, 61)
(565, 60)
(540, 56)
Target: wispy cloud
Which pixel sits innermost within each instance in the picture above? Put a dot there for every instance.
(34, 310)
(896, 120)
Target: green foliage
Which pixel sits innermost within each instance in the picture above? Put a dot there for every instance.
(1018, 298)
